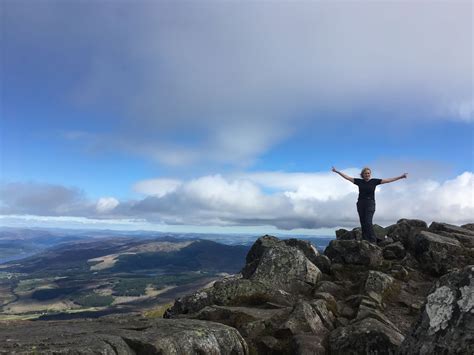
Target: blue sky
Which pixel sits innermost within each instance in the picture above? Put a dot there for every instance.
(216, 116)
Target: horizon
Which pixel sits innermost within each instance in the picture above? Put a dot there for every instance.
(218, 117)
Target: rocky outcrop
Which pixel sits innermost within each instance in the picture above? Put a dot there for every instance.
(369, 336)
(276, 272)
(356, 233)
(394, 251)
(121, 335)
(446, 323)
(354, 252)
(436, 253)
(357, 298)
(287, 265)
(405, 230)
(464, 235)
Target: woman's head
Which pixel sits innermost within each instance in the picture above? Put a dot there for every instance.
(365, 173)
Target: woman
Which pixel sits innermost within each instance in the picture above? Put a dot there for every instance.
(366, 200)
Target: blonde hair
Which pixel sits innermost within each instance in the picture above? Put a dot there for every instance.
(363, 170)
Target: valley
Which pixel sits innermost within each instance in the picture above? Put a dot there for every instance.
(75, 275)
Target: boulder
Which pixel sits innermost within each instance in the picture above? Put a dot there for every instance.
(469, 226)
(230, 291)
(354, 252)
(344, 234)
(466, 240)
(354, 301)
(326, 316)
(323, 263)
(366, 311)
(302, 319)
(268, 344)
(278, 264)
(368, 336)
(405, 230)
(125, 334)
(464, 235)
(446, 323)
(378, 285)
(394, 251)
(306, 247)
(437, 254)
(307, 344)
(449, 228)
(345, 310)
(399, 272)
(237, 317)
(331, 302)
(332, 288)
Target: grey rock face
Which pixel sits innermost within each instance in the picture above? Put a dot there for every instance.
(332, 288)
(464, 235)
(377, 285)
(121, 335)
(446, 323)
(469, 226)
(282, 264)
(285, 268)
(326, 316)
(450, 228)
(306, 247)
(302, 319)
(405, 230)
(344, 234)
(323, 263)
(394, 251)
(437, 254)
(232, 291)
(369, 336)
(354, 252)
(307, 344)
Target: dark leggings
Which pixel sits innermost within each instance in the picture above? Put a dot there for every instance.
(366, 210)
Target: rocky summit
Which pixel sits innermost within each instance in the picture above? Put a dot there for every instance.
(411, 293)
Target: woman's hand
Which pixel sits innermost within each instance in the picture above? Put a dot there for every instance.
(334, 169)
(404, 176)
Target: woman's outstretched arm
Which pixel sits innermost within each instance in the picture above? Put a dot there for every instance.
(386, 181)
(343, 175)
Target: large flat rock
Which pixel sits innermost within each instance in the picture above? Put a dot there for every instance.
(131, 334)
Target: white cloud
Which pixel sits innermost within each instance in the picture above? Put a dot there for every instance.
(317, 186)
(156, 187)
(280, 200)
(106, 204)
(302, 200)
(449, 201)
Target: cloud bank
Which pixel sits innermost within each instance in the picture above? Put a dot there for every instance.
(283, 200)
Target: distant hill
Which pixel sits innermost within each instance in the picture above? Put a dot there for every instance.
(129, 255)
(19, 243)
(111, 275)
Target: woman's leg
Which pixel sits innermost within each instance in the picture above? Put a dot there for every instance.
(362, 217)
(366, 210)
(369, 218)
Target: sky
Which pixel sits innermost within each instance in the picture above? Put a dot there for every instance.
(227, 116)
